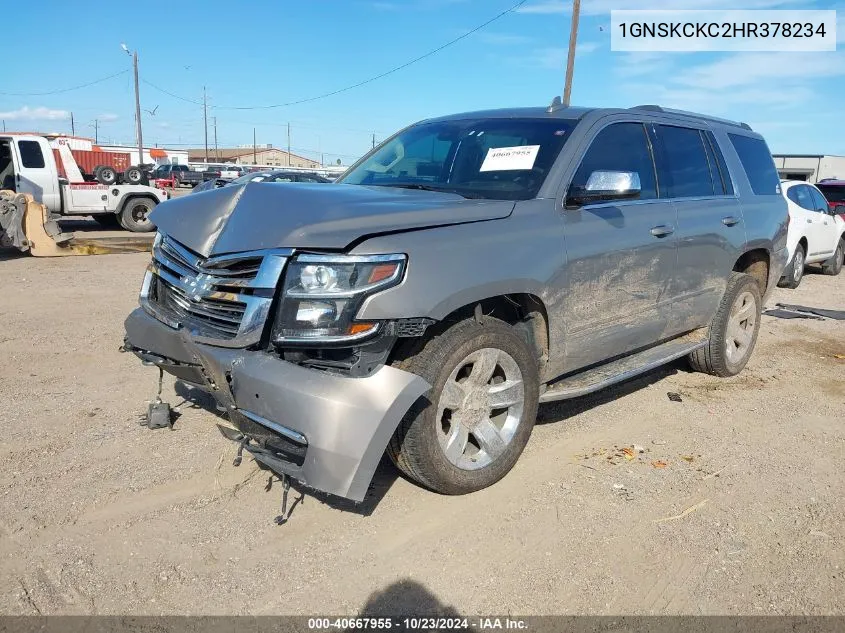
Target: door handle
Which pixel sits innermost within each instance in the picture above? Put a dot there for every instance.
(730, 221)
(662, 231)
(809, 221)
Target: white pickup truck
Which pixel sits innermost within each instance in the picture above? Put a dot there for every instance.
(27, 165)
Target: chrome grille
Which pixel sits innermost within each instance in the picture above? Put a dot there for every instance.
(222, 300)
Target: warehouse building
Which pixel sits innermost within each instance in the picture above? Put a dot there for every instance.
(809, 167)
(261, 155)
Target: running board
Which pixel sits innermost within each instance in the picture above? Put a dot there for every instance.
(619, 370)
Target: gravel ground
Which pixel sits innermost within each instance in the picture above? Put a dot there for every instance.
(734, 507)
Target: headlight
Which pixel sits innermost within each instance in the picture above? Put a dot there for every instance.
(323, 293)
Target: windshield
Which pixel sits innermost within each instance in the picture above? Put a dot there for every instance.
(500, 159)
(833, 193)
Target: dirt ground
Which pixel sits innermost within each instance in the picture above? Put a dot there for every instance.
(734, 507)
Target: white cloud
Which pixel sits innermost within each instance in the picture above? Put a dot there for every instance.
(108, 117)
(34, 114)
(587, 47)
(767, 86)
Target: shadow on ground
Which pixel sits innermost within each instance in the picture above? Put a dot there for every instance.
(409, 599)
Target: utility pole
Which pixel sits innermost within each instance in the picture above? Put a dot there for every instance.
(216, 152)
(134, 55)
(96, 129)
(374, 140)
(138, 110)
(205, 121)
(254, 152)
(72, 128)
(288, 143)
(570, 60)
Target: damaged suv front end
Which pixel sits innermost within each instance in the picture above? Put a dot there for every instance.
(272, 334)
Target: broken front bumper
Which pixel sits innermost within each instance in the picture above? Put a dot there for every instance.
(327, 431)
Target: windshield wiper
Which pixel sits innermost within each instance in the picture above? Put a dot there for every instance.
(424, 187)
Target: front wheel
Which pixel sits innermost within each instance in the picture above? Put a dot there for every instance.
(733, 331)
(134, 215)
(469, 430)
(833, 266)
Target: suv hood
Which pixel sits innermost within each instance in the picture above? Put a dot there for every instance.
(260, 215)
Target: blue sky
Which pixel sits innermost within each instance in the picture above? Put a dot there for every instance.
(263, 52)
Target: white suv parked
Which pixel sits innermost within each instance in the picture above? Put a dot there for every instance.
(815, 233)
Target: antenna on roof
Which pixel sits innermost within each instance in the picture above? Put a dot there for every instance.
(556, 104)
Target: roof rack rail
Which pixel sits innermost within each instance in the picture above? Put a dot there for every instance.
(694, 115)
(555, 105)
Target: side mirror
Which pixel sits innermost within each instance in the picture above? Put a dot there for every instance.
(839, 209)
(606, 185)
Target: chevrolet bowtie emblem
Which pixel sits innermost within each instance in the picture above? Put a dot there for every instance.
(198, 287)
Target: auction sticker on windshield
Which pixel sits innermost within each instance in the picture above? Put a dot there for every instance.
(509, 158)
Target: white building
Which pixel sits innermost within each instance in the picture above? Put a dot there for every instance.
(809, 167)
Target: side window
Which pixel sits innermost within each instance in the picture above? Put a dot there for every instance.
(31, 156)
(803, 197)
(758, 164)
(620, 147)
(687, 169)
(819, 201)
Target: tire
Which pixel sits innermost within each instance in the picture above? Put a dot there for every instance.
(133, 215)
(733, 331)
(794, 272)
(482, 453)
(833, 266)
(133, 175)
(107, 175)
(107, 220)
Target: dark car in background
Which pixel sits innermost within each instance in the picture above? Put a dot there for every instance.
(261, 176)
(181, 174)
(834, 191)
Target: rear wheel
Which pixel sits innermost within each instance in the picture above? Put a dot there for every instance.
(733, 331)
(469, 430)
(106, 175)
(134, 175)
(134, 215)
(833, 266)
(794, 272)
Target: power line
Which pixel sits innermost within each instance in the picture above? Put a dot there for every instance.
(54, 92)
(170, 94)
(360, 83)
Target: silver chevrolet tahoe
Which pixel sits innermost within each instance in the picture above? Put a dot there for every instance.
(464, 271)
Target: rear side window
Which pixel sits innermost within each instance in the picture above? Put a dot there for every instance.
(687, 170)
(758, 164)
(620, 147)
(31, 155)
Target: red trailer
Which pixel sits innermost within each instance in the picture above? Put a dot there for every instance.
(89, 159)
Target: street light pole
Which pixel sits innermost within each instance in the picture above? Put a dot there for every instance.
(570, 60)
